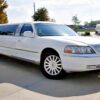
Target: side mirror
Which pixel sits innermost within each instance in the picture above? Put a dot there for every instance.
(28, 34)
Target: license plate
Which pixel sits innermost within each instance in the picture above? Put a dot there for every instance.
(93, 66)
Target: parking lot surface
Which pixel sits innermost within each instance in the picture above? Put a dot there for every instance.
(28, 76)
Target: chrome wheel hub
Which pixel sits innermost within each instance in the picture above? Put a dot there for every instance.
(52, 65)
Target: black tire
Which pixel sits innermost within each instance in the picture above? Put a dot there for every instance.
(62, 73)
(96, 33)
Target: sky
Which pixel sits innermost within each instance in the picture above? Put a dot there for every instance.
(61, 10)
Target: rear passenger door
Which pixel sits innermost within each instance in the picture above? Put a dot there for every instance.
(7, 39)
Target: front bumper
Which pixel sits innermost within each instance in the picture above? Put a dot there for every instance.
(79, 62)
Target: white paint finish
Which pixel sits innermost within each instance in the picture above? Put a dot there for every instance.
(8, 41)
(80, 63)
(27, 48)
(30, 48)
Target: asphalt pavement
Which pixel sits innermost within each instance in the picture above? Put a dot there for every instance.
(28, 76)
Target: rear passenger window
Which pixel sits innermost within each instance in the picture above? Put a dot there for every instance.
(26, 27)
(8, 29)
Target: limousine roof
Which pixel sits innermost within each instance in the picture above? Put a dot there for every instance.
(29, 23)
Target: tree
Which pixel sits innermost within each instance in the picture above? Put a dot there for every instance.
(41, 15)
(3, 15)
(75, 20)
(93, 23)
(86, 23)
(52, 20)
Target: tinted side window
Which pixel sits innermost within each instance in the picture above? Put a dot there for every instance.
(8, 29)
(26, 27)
(49, 29)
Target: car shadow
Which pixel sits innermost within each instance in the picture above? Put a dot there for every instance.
(28, 76)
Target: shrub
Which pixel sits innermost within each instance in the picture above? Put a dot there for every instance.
(86, 34)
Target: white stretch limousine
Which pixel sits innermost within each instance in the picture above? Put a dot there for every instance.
(56, 47)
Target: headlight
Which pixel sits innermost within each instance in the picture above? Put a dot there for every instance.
(78, 50)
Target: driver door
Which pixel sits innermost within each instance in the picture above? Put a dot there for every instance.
(26, 46)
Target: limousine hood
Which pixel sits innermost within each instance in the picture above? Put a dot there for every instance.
(77, 39)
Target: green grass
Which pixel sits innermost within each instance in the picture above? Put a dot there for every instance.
(85, 30)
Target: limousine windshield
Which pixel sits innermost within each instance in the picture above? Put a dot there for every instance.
(45, 29)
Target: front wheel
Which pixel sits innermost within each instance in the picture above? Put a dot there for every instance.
(51, 66)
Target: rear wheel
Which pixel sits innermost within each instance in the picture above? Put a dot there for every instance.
(51, 66)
